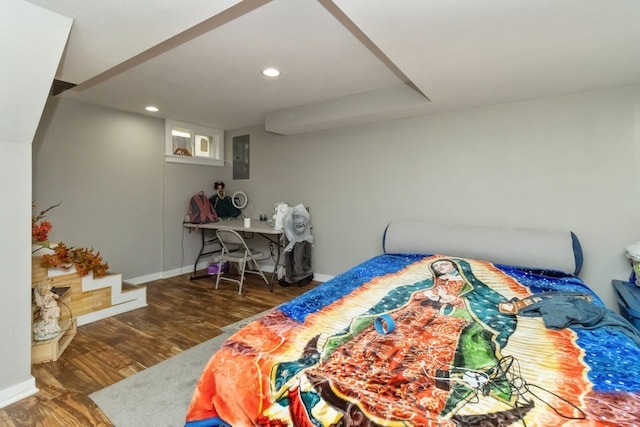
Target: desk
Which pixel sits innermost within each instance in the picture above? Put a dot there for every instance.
(262, 228)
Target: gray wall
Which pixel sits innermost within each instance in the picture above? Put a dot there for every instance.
(181, 181)
(567, 163)
(118, 195)
(563, 163)
(105, 166)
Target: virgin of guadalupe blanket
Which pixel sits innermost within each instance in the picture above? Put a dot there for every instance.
(448, 356)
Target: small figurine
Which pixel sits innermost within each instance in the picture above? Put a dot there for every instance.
(47, 326)
(219, 187)
(222, 204)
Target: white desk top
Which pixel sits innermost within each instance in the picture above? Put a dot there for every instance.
(237, 224)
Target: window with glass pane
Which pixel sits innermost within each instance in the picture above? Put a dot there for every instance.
(190, 143)
(181, 142)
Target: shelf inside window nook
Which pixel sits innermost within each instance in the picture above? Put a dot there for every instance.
(194, 144)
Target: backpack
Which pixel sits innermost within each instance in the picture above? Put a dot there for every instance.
(200, 210)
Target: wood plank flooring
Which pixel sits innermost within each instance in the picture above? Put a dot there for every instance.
(180, 314)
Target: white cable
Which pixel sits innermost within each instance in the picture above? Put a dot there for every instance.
(239, 204)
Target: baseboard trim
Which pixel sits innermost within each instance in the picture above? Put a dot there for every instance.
(113, 310)
(322, 277)
(143, 279)
(18, 392)
(201, 266)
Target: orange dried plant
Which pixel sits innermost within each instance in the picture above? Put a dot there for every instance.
(40, 229)
(83, 259)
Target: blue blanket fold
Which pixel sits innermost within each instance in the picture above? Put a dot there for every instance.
(559, 310)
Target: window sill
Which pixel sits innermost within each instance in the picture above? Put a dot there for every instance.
(170, 158)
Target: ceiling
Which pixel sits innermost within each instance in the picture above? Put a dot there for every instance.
(343, 62)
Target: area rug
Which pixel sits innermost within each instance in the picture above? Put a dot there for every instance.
(160, 395)
(232, 328)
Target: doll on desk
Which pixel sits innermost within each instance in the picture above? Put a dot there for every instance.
(222, 203)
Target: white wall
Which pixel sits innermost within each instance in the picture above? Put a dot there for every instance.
(31, 43)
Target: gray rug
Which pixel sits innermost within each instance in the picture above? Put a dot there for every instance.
(160, 395)
(232, 328)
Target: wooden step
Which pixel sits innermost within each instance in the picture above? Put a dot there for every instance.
(89, 299)
(50, 350)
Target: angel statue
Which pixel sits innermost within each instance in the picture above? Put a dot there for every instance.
(47, 326)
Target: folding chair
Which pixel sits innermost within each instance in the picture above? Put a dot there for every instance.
(235, 249)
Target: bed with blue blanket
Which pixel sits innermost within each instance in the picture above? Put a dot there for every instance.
(450, 326)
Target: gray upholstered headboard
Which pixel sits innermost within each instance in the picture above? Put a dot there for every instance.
(545, 249)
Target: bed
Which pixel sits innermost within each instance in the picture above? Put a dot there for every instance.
(449, 326)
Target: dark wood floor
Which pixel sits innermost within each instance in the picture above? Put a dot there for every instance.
(180, 314)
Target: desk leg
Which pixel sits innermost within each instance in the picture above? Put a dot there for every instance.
(278, 242)
(279, 249)
(201, 254)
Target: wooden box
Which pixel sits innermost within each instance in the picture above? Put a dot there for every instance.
(50, 350)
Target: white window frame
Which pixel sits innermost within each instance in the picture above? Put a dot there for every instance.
(216, 148)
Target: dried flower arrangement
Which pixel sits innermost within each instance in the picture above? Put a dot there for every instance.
(83, 259)
(40, 229)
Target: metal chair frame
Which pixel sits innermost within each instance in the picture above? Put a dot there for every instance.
(235, 249)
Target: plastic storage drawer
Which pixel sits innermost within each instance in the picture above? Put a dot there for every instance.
(628, 296)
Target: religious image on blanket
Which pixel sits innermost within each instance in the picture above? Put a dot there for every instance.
(447, 340)
(447, 357)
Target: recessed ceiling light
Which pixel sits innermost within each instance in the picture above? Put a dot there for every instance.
(152, 108)
(271, 72)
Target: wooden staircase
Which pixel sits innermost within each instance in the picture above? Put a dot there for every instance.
(89, 299)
